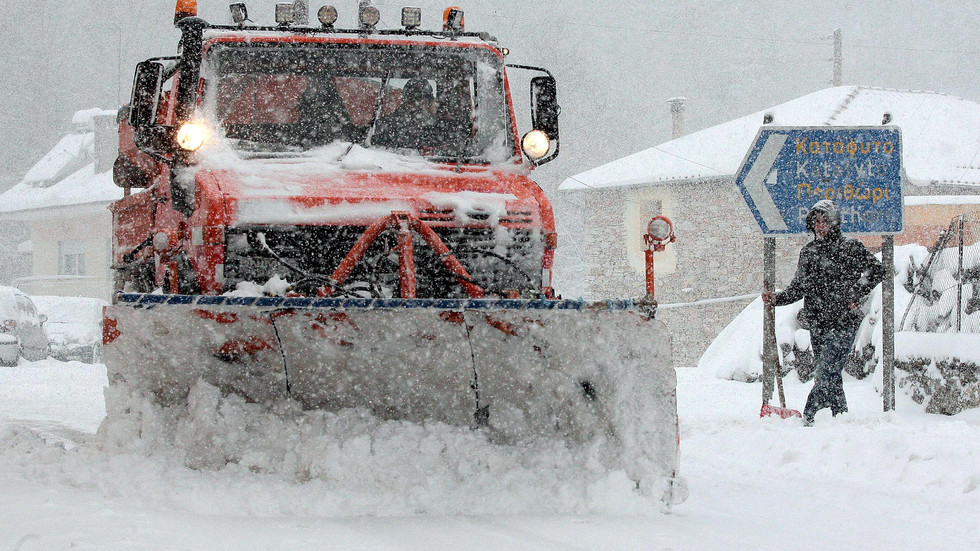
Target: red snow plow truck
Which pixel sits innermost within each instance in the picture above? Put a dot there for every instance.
(344, 218)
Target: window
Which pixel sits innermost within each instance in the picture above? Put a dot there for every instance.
(71, 257)
(269, 98)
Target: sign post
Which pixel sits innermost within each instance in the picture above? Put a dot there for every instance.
(888, 324)
(770, 348)
(788, 169)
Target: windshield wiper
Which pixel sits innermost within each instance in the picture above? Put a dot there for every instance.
(377, 108)
(374, 119)
(463, 150)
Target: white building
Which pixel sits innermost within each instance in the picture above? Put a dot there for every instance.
(64, 198)
(718, 252)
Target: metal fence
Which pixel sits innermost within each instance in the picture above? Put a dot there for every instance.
(945, 286)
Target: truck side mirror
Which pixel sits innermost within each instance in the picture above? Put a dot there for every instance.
(544, 105)
(146, 94)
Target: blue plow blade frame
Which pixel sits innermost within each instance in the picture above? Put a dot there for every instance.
(150, 300)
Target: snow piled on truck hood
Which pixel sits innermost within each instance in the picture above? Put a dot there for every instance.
(284, 211)
(272, 189)
(266, 173)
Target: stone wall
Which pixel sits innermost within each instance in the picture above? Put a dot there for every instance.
(692, 328)
(718, 253)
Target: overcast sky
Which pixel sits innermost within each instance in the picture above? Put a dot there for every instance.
(617, 62)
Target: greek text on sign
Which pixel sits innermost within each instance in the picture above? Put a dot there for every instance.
(789, 169)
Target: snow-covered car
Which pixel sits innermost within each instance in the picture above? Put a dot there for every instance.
(20, 319)
(74, 327)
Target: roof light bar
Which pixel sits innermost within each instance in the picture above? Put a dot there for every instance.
(452, 19)
(327, 16)
(411, 18)
(185, 8)
(369, 17)
(284, 13)
(239, 13)
(301, 12)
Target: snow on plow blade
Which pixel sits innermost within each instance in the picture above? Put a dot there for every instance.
(521, 370)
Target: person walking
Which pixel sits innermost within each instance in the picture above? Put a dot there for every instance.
(835, 273)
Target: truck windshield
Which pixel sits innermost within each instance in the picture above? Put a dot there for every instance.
(442, 103)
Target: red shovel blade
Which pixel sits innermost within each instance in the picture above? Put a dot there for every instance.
(785, 413)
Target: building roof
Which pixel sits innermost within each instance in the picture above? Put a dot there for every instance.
(65, 176)
(940, 139)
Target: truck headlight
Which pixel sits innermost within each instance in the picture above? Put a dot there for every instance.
(191, 136)
(535, 144)
(327, 15)
(369, 17)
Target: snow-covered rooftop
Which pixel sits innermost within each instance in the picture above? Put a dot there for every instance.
(940, 133)
(65, 176)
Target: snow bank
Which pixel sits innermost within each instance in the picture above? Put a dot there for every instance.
(736, 353)
(50, 391)
(216, 454)
(228, 457)
(938, 347)
(865, 480)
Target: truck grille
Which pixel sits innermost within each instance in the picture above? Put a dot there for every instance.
(498, 259)
(437, 215)
(450, 216)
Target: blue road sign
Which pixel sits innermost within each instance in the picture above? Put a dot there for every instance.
(789, 169)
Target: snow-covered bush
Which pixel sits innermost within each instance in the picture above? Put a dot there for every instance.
(941, 371)
(944, 386)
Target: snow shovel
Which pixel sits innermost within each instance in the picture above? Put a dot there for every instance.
(772, 348)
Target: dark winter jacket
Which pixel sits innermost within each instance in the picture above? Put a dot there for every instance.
(833, 273)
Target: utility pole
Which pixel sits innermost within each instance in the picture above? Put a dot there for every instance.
(677, 116)
(838, 58)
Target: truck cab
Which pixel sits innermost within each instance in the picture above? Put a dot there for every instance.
(269, 151)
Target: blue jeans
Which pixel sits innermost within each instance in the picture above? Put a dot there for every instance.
(831, 349)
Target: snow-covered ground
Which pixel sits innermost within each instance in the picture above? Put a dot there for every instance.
(868, 480)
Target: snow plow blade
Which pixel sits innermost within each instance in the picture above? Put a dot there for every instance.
(520, 370)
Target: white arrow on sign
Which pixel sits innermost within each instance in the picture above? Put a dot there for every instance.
(755, 182)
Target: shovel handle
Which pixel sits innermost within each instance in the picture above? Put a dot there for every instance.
(779, 371)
